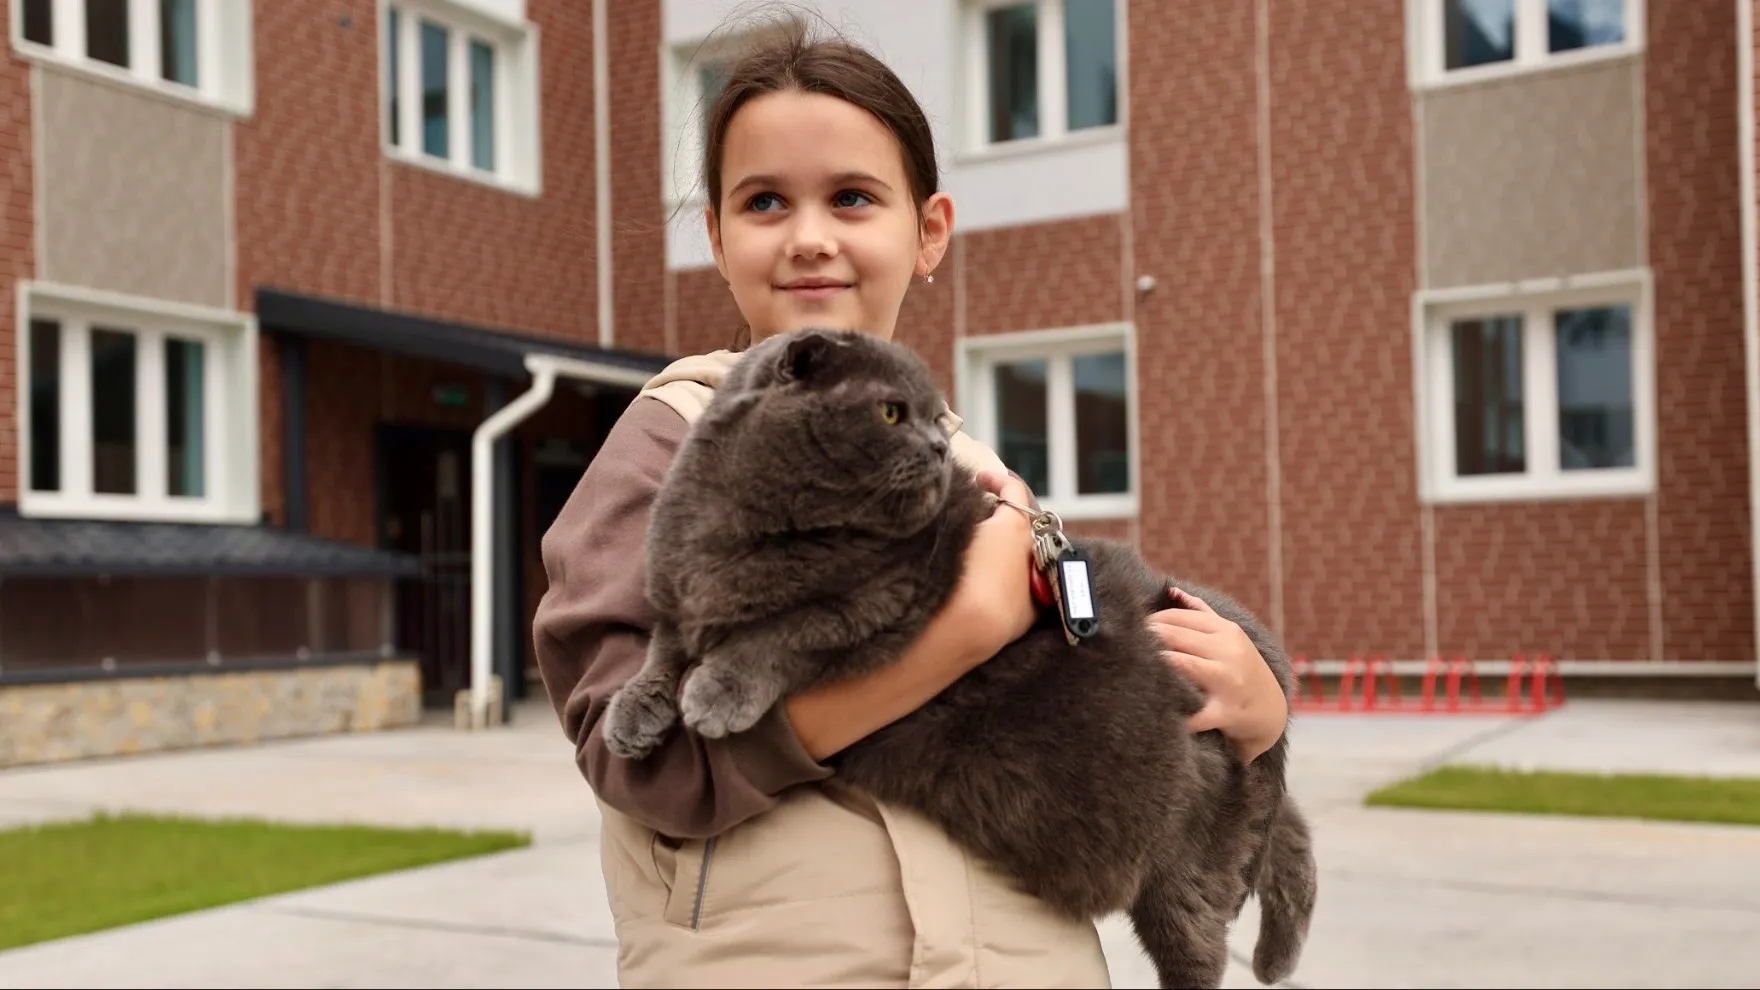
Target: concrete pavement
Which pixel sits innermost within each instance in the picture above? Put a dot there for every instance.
(1408, 899)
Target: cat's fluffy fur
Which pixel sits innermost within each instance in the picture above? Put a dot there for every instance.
(805, 532)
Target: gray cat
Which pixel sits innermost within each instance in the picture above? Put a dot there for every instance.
(810, 526)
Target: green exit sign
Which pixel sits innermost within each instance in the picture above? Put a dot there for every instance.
(452, 395)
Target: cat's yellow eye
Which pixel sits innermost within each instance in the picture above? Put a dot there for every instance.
(891, 413)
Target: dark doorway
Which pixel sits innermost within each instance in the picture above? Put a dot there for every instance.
(425, 510)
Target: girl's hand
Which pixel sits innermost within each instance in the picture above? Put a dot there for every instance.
(1245, 701)
(995, 593)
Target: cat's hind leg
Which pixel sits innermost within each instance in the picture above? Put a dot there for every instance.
(1184, 935)
(646, 707)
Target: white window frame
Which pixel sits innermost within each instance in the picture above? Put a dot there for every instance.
(1054, 129)
(224, 52)
(518, 141)
(1425, 25)
(230, 414)
(976, 359)
(682, 108)
(1535, 301)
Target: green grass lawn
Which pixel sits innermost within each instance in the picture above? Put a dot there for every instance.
(1649, 796)
(70, 878)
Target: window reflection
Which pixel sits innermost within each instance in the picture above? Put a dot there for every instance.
(1595, 414)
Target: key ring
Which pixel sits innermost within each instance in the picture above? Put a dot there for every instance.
(1043, 519)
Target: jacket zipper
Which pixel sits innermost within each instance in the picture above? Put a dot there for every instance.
(702, 886)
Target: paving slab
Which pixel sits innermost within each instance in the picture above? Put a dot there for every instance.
(1408, 898)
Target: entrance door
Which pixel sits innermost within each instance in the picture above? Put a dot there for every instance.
(425, 511)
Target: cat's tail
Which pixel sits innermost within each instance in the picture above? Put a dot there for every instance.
(1287, 885)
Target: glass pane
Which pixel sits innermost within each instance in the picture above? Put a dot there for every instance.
(39, 21)
(1574, 24)
(1103, 463)
(107, 31)
(1012, 35)
(1023, 439)
(1595, 416)
(393, 30)
(185, 449)
(1478, 32)
(45, 386)
(482, 106)
(113, 413)
(711, 80)
(1090, 50)
(1488, 412)
(435, 52)
(177, 41)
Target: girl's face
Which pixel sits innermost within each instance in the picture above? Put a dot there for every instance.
(817, 226)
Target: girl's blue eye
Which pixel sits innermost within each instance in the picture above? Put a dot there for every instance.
(758, 202)
(843, 199)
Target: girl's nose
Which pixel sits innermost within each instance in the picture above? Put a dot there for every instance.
(812, 237)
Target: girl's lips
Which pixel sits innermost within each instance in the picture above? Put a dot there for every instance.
(814, 291)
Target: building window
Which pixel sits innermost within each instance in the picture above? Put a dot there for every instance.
(698, 72)
(1058, 408)
(1471, 39)
(461, 92)
(195, 49)
(1041, 70)
(136, 409)
(1545, 393)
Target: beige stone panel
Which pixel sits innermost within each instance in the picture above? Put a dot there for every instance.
(132, 189)
(1532, 176)
(46, 723)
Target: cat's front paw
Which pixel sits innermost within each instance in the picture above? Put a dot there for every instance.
(717, 702)
(638, 718)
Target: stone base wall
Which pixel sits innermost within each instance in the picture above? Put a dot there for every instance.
(46, 723)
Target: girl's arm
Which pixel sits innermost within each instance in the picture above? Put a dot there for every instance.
(992, 607)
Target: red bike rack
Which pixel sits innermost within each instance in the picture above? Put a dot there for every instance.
(1448, 687)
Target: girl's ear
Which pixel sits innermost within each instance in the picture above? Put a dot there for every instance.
(937, 232)
(714, 226)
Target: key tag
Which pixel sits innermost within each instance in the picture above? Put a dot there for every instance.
(1066, 570)
(1074, 591)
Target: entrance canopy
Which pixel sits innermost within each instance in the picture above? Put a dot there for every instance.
(496, 352)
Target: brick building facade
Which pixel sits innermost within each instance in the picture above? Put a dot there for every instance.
(1418, 327)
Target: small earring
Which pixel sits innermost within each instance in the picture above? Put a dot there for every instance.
(928, 280)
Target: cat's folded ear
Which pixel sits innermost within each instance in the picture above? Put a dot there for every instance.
(805, 355)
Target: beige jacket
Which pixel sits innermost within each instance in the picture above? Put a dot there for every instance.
(741, 862)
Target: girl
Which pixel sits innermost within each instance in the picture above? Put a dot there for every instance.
(741, 861)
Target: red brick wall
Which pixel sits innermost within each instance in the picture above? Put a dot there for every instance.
(307, 177)
(639, 234)
(704, 317)
(478, 254)
(1563, 578)
(308, 160)
(928, 322)
(1195, 225)
(1345, 247)
(1695, 252)
(1034, 276)
(17, 246)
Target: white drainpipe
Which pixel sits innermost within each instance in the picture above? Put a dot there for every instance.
(1750, 291)
(545, 369)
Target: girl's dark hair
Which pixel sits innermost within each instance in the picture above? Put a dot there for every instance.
(786, 58)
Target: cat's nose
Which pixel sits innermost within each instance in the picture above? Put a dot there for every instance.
(938, 446)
